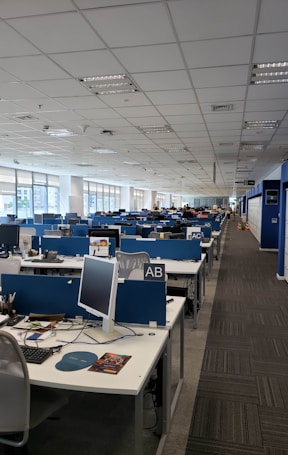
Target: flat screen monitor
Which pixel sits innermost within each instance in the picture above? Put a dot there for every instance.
(105, 232)
(98, 292)
(9, 236)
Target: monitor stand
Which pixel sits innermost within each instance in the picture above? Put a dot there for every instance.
(97, 334)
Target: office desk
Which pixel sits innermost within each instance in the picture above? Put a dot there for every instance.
(193, 271)
(175, 314)
(68, 264)
(208, 249)
(145, 350)
(217, 236)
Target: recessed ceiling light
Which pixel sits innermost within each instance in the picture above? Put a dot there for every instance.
(155, 129)
(41, 153)
(251, 147)
(103, 151)
(261, 124)
(269, 73)
(109, 84)
(58, 132)
(222, 107)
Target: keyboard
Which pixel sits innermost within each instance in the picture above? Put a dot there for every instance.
(33, 354)
(52, 261)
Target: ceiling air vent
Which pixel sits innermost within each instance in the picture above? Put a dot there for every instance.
(222, 107)
(25, 117)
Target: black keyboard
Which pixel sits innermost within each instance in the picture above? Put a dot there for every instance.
(55, 261)
(33, 354)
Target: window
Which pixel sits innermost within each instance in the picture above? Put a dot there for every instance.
(24, 194)
(7, 191)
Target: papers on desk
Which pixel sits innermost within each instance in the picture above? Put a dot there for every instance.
(40, 330)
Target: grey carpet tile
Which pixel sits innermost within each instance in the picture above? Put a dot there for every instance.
(228, 387)
(260, 330)
(266, 318)
(265, 347)
(228, 342)
(274, 427)
(227, 421)
(226, 327)
(273, 391)
(226, 361)
(274, 451)
(196, 446)
(269, 366)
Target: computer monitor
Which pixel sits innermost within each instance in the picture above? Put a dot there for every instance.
(9, 236)
(105, 232)
(97, 294)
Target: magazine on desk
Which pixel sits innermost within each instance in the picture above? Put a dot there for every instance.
(110, 363)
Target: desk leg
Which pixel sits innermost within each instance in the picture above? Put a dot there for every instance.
(195, 300)
(138, 430)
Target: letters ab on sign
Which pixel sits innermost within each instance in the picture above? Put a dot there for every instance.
(154, 272)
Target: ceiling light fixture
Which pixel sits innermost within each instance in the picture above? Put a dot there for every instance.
(251, 147)
(109, 84)
(155, 129)
(58, 132)
(260, 124)
(103, 151)
(269, 73)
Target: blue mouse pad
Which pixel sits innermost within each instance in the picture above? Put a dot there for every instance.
(73, 361)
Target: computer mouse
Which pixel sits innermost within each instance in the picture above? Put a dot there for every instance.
(73, 361)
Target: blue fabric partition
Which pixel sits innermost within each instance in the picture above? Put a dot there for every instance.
(40, 228)
(67, 246)
(141, 302)
(165, 249)
(137, 301)
(80, 230)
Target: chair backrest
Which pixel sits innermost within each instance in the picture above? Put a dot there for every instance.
(131, 261)
(14, 390)
(160, 235)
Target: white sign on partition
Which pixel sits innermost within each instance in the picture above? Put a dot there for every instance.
(99, 246)
(194, 233)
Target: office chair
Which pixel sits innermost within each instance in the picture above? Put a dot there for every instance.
(22, 407)
(131, 261)
(160, 235)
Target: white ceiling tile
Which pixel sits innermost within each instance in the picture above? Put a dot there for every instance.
(178, 119)
(57, 33)
(220, 76)
(19, 8)
(180, 109)
(270, 115)
(130, 24)
(141, 111)
(91, 63)
(221, 94)
(151, 58)
(125, 99)
(17, 90)
(196, 20)
(31, 68)
(55, 88)
(273, 16)
(81, 102)
(163, 80)
(172, 97)
(266, 105)
(271, 48)
(12, 44)
(216, 117)
(267, 92)
(218, 52)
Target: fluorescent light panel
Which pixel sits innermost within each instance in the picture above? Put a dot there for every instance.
(109, 84)
(269, 73)
(154, 129)
(260, 124)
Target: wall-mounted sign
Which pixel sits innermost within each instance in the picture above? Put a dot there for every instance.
(249, 182)
(271, 197)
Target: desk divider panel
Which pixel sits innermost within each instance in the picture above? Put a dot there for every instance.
(67, 246)
(164, 249)
(138, 302)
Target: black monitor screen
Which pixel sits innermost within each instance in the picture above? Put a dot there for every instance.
(103, 232)
(9, 235)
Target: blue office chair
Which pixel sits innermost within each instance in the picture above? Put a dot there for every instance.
(22, 407)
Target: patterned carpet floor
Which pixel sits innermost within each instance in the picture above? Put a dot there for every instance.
(241, 406)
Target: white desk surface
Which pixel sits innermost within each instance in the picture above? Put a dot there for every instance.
(207, 244)
(145, 351)
(185, 267)
(68, 263)
(173, 309)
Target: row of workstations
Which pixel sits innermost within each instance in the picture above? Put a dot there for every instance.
(138, 302)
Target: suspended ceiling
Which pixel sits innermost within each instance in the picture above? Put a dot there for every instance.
(190, 62)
